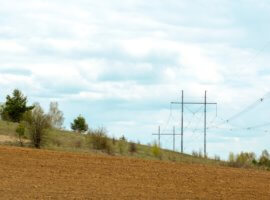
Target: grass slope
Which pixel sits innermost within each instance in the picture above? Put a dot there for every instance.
(73, 142)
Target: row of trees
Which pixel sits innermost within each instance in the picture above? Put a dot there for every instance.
(249, 158)
(34, 119)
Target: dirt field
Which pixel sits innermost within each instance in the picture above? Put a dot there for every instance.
(39, 174)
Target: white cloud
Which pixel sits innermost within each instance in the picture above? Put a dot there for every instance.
(136, 54)
(11, 46)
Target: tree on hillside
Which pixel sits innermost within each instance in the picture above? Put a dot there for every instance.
(37, 122)
(57, 116)
(264, 158)
(79, 124)
(14, 107)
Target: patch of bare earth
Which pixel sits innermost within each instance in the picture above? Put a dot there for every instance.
(5, 138)
(40, 174)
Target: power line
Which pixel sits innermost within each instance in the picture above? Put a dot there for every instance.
(246, 109)
(259, 52)
(193, 112)
(168, 120)
(250, 107)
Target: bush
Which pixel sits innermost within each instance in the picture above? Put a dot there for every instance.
(244, 159)
(217, 158)
(231, 157)
(56, 141)
(99, 140)
(172, 157)
(132, 147)
(122, 145)
(20, 131)
(249, 159)
(78, 143)
(156, 150)
(198, 154)
(113, 141)
(123, 138)
(37, 122)
(264, 159)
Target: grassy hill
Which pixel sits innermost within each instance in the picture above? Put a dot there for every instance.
(61, 140)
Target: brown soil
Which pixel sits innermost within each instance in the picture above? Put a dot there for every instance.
(40, 174)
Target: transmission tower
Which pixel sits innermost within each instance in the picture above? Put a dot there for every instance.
(182, 103)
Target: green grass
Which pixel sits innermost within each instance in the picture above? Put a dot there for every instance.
(7, 128)
(74, 142)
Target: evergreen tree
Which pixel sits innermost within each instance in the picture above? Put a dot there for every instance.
(15, 106)
(79, 124)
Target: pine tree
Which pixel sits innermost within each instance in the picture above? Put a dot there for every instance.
(79, 124)
(15, 106)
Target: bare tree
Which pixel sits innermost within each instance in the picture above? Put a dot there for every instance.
(37, 122)
(57, 116)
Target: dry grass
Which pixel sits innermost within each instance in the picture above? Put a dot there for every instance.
(74, 142)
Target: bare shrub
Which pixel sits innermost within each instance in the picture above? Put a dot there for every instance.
(98, 139)
(56, 142)
(123, 138)
(172, 157)
(132, 147)
(113, 141)
(217, 158)
(37, 122)
(78, 143)
(20, 131)
(198, 154)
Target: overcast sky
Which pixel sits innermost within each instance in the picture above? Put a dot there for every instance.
(121, 63)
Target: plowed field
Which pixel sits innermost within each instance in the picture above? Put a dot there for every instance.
(40, 174)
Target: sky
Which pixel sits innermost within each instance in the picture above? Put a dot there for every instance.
(121, 63)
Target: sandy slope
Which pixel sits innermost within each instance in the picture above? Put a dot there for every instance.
(5, 138)
(39, 174)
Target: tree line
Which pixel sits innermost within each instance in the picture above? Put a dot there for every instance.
(34, 119)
